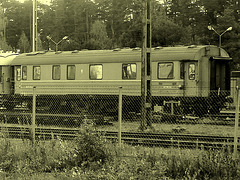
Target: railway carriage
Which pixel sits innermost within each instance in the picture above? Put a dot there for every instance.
(6, 78)
(185, 74)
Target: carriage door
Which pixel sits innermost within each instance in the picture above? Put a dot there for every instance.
(1, 81)
(4, 79)
(220, 75)
(190, 81)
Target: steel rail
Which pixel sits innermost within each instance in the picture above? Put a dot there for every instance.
(133, 138)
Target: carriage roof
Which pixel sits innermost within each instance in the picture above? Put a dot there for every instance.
(119, 56)
(7, 58)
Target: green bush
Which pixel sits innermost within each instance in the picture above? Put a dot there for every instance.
(90, 150)
(87, 150)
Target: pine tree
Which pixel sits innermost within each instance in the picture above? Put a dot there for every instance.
(23, 43)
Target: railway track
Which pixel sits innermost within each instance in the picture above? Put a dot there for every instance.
(227, 119)
(133, 138)
(22, 118)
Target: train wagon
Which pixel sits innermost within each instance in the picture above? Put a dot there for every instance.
(6, 78)
(192, 75)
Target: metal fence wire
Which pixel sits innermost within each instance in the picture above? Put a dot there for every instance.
(189, 115)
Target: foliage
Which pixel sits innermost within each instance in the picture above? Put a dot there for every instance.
(210, 164)
(86, 151)
(4, 46)
(23, 43)
(98, 36)
(91, 157)
(90, 149)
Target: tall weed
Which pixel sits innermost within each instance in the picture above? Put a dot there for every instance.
(211, 164)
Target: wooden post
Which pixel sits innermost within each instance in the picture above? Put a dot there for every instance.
(146, 96)
(236, 124)
(34, 116)
(120, 116)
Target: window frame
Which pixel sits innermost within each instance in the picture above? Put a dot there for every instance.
(125, 78)
(24, 77)
(68, 78)
(90, 65)
(18, 73)
(182, 70)
(34, 73)
(54, 72)
(172, 70)
(194, 77)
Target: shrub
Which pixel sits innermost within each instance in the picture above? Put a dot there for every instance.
(90, 149)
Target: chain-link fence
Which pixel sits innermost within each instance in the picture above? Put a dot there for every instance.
(211, 113)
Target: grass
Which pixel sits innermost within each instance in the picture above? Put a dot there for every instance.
(90, 156)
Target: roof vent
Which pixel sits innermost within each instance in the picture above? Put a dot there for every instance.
(136, 49)
(75, 51)
(117, 49)
(192, 46)
(41, 52)
(31, 54)
(158, 48)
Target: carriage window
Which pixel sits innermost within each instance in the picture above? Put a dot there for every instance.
(71, 72)
(24, 72)
(56, 72)
(96, 71)
(182, 71)
(18, 73)
(191, 71)
(129, 71)
(165, 70)
(36, 73)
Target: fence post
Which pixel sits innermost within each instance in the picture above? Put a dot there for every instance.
(34, 116)
(236, 124)
(120, 116)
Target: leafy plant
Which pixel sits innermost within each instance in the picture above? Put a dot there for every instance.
(89, 149)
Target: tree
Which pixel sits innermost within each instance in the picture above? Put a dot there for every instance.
(122, 20)
(3, 23)
(98, 36)
(18, 15)
(231, 39)
(165, 31)
(23, 43)
(4, 46)
(39, 43)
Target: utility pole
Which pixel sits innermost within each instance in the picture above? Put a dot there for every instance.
(146, 96)
(34, 29)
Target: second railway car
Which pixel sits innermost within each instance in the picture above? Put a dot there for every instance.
(194, 75)
(6, 78)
